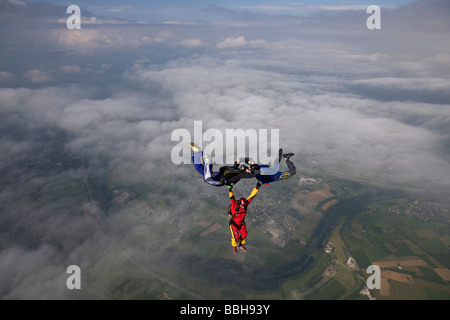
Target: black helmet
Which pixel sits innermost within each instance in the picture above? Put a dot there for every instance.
(255, 168)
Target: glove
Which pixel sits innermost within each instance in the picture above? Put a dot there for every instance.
(230, 187)
(258, 185)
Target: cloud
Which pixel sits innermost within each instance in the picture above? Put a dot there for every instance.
(6, 76)
(432, 84)
(441, 57)
(193, 43)
(70, 69)
(108, 37)
(86, 38)
(16, 9)
(28, 274)
(37, 76)
(231, 42)
(340, 129)
(120, 8)
(17, 3)
(96, 21)
(337, 8)
(11, 150)
(238, 15)
(266, 7)
(50, 185)
(240, 42)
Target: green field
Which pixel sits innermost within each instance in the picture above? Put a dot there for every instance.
(380, 234)
(366, 223)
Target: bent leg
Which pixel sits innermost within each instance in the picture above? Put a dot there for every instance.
(198, 163)
(205, 170)
(280, 175)
(267, 170)
(291, 167)
(209, 176)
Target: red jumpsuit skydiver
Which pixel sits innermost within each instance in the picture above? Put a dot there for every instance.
(238, 212)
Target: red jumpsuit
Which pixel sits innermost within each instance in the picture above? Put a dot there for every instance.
(237, 222)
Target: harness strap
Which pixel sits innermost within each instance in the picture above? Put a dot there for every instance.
(232, 222)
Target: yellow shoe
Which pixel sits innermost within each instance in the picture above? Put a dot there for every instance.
(195, 147)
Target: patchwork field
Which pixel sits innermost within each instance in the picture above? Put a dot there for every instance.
(327, 205)
(444, 273)
(312, 199)
(334, 221)
(410, 248)
(409, 252)
(400, 262)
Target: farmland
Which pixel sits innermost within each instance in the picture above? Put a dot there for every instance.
(310, 242)
(410, 250)
(342, 228)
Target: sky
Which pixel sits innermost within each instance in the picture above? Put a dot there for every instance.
(185, 10)
(367, 104)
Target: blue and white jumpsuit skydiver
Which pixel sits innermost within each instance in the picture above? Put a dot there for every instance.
(204, 166)
(271, 173)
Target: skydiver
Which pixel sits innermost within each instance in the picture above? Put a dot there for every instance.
(271, 174)
(203, 164)
(263, 173)
(248, 168)
(237, 213)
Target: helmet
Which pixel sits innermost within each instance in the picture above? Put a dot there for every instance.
(243, 202)
(256, 169)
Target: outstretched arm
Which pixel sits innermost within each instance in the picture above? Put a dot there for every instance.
(254, 192)
(230, 192)
(232, 199)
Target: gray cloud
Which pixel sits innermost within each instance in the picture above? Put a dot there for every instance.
(37, 76)
(368, 138)
(16, 9)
